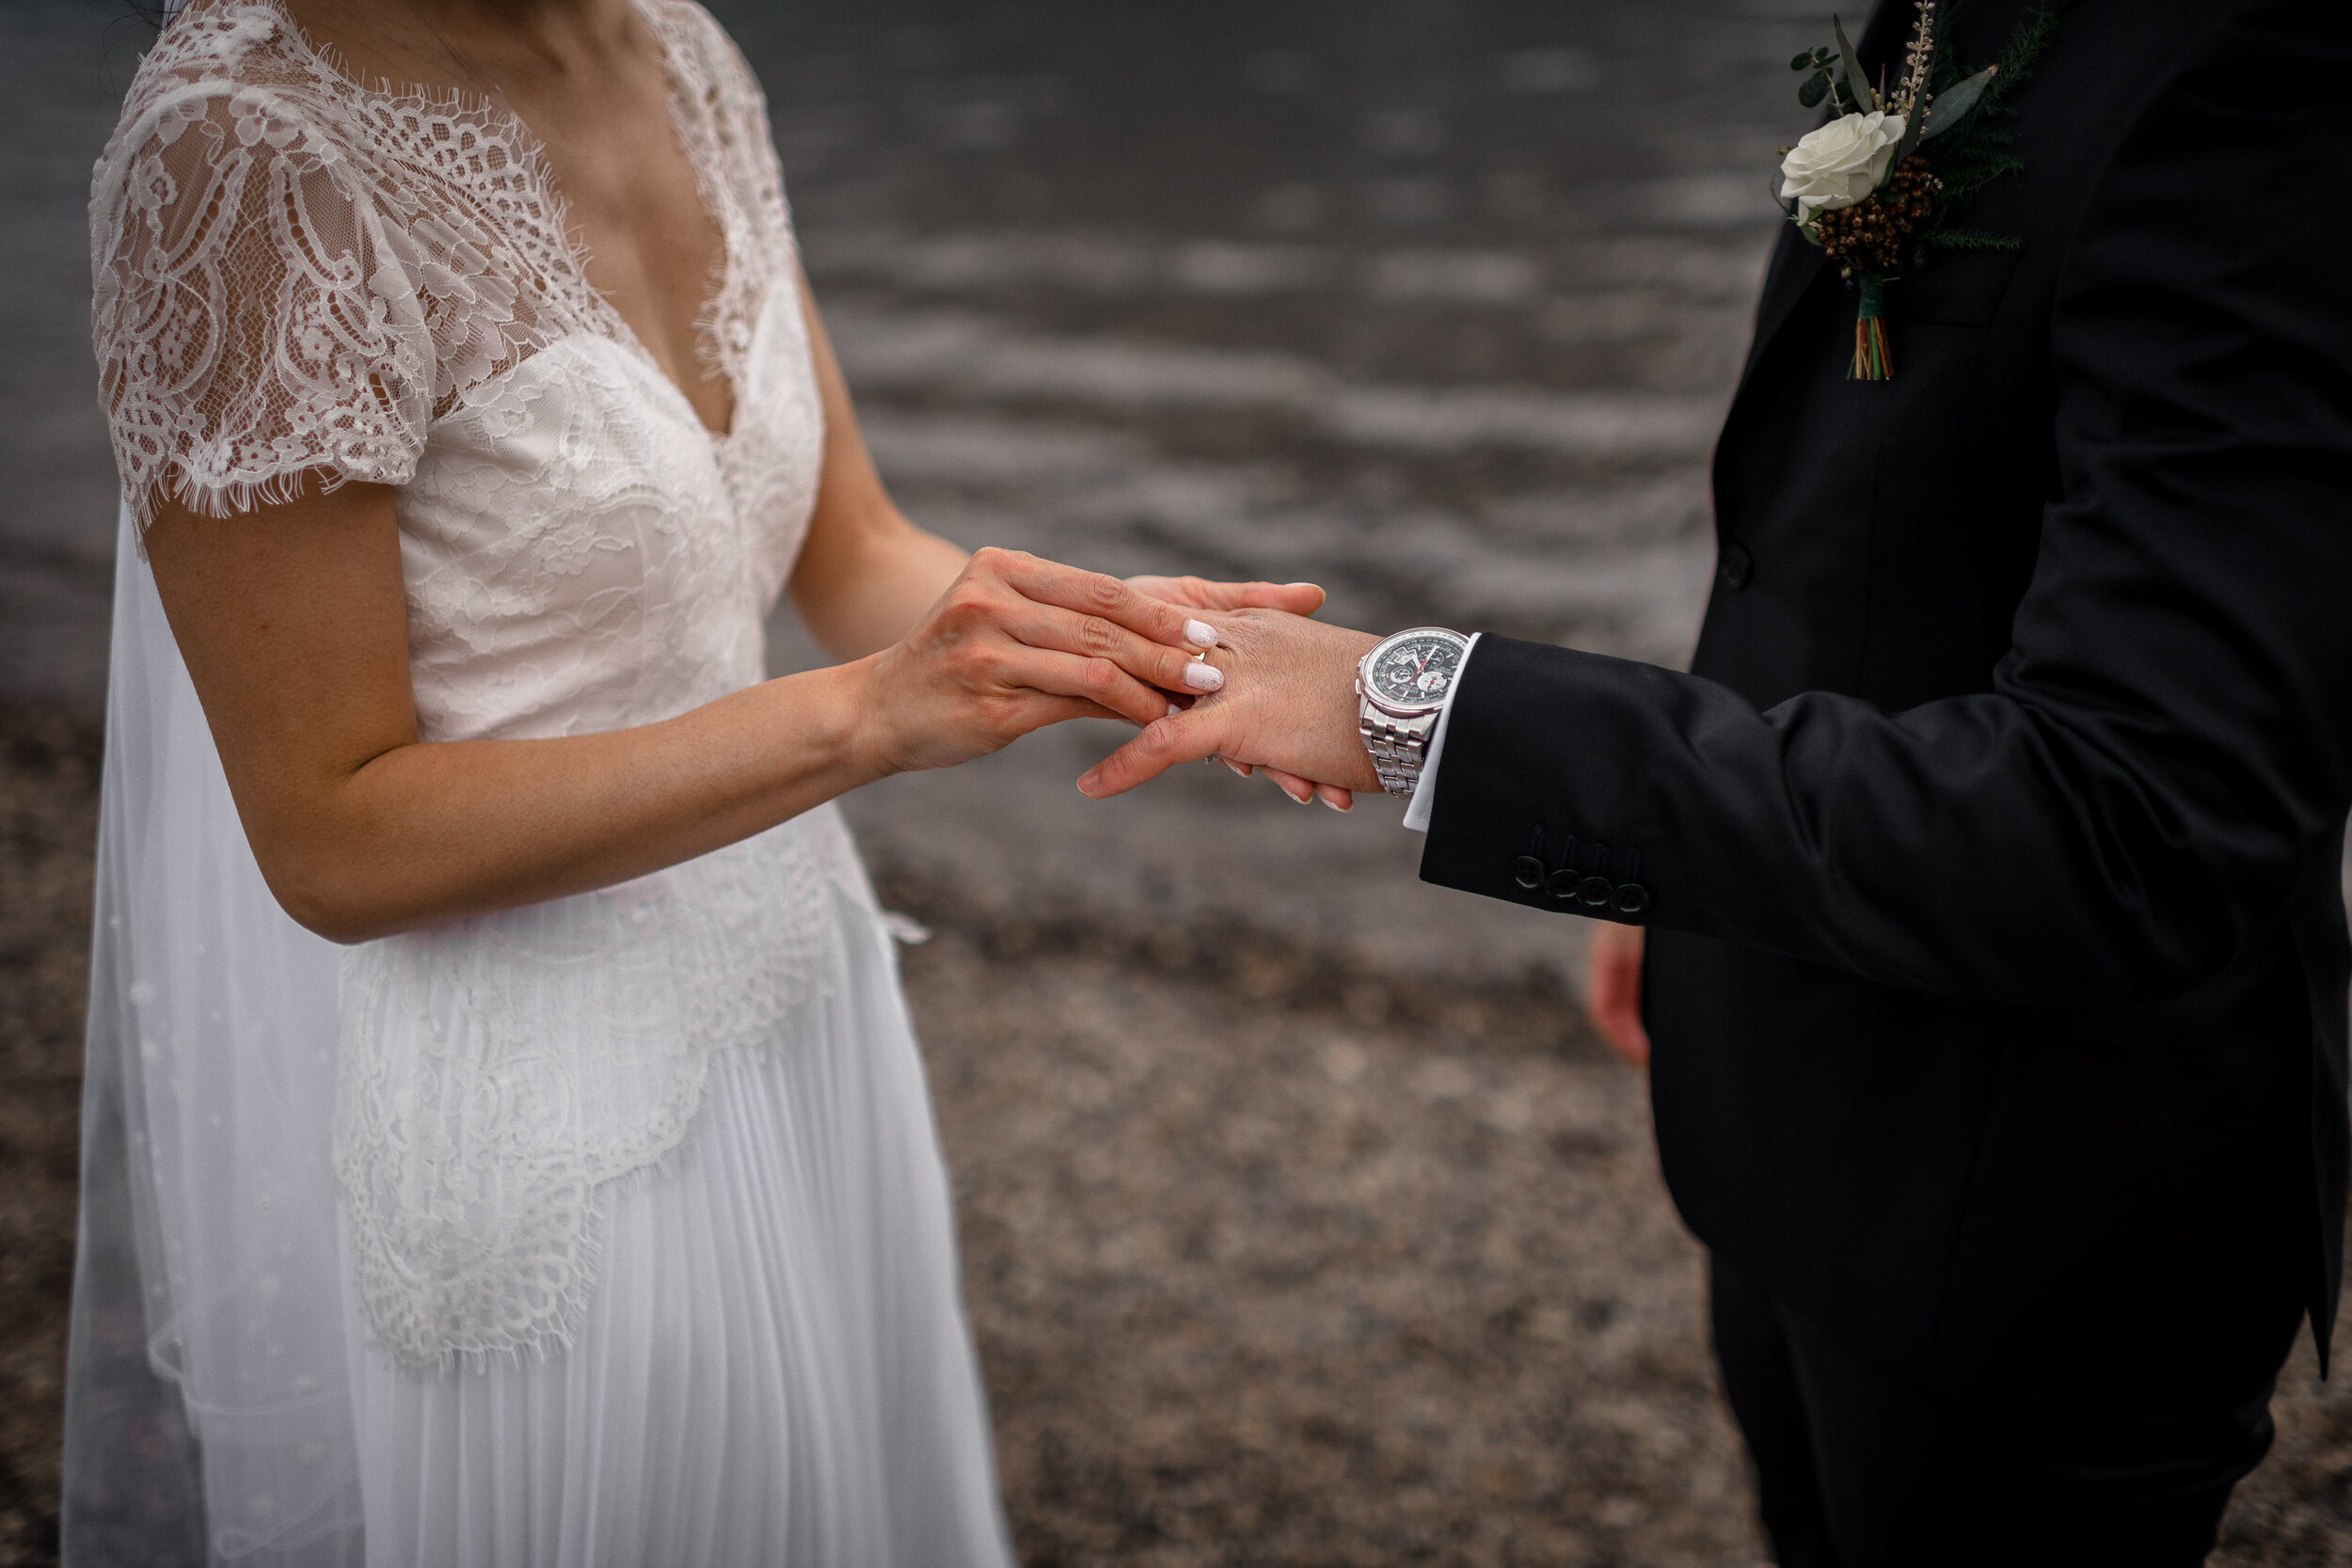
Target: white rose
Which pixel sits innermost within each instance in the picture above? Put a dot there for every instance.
(1839, 164)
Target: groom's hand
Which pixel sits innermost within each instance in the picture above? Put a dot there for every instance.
(1299, 598)
(1288, 703)
(1613, 989)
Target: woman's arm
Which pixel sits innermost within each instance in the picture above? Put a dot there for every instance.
(291, 620)
(866, 574)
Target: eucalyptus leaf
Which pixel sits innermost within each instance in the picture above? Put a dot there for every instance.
(1815, 89)
(1950, 106)
(1802, 62)
(1858, 80)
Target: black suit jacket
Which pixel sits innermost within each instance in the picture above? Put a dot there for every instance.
(1997, 976)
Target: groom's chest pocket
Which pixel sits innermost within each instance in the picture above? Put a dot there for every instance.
(1956, 287)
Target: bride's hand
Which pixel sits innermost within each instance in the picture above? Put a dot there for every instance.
(1016, 643)
(1299, 598)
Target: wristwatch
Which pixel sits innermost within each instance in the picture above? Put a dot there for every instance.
(1400, 690)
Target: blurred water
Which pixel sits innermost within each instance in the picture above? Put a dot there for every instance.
(1436, 303)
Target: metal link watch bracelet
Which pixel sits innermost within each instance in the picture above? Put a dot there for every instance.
(1401, 687)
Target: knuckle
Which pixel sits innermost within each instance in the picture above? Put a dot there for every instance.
(1101, 592)
(1097, 635)
(1098, 674)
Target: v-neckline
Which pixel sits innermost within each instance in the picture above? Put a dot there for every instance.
(572, 253)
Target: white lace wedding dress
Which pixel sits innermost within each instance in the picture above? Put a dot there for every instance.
(610, 1231)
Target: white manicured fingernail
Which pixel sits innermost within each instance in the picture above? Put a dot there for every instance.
(1236, 768)
(1203, 677)
(1201, 634)
(1334, 804)
(1173, 710)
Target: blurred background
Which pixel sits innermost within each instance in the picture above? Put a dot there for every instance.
(1303, 1221)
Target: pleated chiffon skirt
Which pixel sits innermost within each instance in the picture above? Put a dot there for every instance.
(774, 1367)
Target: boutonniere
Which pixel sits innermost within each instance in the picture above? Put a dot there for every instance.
(1864, 185)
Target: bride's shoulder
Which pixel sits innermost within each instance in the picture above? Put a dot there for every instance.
(214, 54)
(254, 306)
(228, 83)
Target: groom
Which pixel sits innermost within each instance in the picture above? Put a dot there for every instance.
(1988, 856)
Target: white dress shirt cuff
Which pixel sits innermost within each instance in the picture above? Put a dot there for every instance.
(1425, 788)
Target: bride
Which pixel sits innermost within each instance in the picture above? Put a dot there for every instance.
(584, 1205)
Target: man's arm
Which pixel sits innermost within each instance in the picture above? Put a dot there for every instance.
(2168, 745)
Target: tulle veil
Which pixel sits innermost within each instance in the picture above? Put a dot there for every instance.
(208, 1412)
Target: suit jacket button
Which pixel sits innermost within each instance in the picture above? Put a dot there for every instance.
(1563, 885)
(1737, 567)
(1633, 898)
(1593, 892)
(1528, 872)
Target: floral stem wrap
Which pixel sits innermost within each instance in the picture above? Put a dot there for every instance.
(1873, 359)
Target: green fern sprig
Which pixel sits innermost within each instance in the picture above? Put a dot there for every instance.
(1975, 153)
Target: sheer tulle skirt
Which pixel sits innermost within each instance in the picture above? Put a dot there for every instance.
(774, 1367)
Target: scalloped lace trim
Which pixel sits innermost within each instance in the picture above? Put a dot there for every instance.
(499, 1073)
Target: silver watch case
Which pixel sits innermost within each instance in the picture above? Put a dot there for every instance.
(1397, 733)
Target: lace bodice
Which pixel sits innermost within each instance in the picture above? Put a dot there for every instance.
(295, 274)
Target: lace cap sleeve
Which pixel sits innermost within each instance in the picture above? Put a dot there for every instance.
(255, 314)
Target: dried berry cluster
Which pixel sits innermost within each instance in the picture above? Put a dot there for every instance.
(1873, 236)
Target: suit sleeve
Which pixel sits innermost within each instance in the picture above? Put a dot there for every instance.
(2166, 750)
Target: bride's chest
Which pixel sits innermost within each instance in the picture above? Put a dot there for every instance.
(581, 553)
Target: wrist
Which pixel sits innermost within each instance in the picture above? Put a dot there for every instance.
(843, 729)
(1363, 774)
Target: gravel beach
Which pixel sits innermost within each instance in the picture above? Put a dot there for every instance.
(1268, 1263)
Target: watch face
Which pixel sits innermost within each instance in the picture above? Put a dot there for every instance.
(1416, 671)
